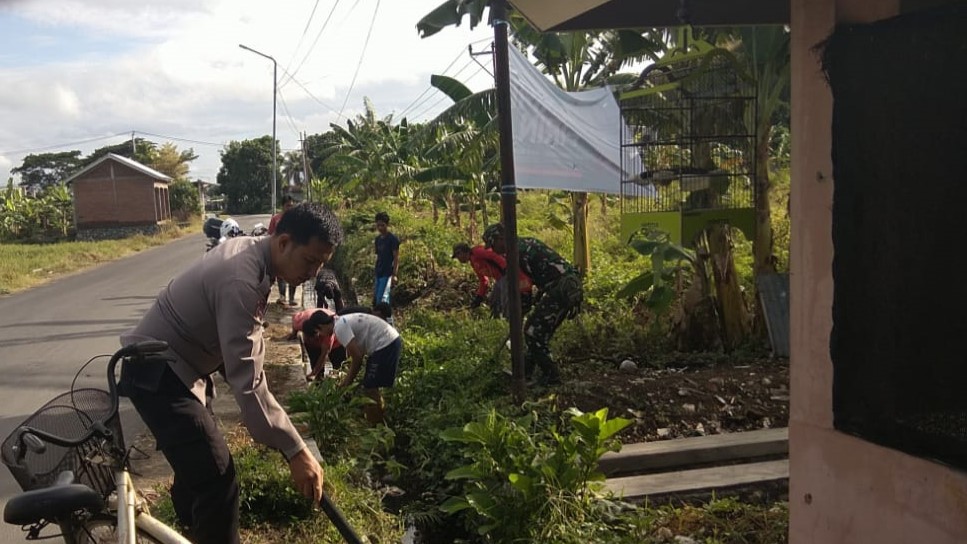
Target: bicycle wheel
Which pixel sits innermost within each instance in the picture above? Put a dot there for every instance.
(103, 530)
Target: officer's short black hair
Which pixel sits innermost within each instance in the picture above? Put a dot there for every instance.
(307, 220)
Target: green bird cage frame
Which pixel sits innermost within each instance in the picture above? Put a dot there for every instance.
(688, 144)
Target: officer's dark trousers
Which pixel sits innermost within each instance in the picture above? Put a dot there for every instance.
(205, 490)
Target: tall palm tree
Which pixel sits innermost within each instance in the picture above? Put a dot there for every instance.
(292, 168)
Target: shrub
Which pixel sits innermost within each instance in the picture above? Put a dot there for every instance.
(184, 200)
(521, 477)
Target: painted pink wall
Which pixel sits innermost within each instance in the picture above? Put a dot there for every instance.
(842, 489)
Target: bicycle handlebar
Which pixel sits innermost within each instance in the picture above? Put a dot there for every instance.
(97, 427)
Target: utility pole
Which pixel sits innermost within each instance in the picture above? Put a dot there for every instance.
(508, 193)
(275, 153)
(305, 167)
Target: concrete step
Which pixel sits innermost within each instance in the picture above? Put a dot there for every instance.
(683, 452)
(684, 482)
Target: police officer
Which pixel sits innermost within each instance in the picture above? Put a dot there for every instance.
(211, 316)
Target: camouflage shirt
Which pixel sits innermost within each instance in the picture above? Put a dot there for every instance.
(541, 263)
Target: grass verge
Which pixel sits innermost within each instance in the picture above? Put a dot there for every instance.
(26, 265)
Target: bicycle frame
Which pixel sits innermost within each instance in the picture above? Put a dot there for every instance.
(132, 516)
(124, 505)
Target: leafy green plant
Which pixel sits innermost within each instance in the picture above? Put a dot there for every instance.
(519, 474)
(265, 488)
(376, 446)
(667, 260)
(45, 217)
(331, 412)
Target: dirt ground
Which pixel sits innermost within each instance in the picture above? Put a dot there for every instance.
(682, 402)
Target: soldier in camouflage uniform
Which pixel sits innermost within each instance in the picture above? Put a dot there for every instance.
(559, 296)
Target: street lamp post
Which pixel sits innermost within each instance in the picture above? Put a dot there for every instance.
(275, 70)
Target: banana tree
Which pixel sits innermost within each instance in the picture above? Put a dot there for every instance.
(370, 156)
(663, 281)
(765, 52)
(462, 143)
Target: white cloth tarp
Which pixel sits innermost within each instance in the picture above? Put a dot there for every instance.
(563, 140)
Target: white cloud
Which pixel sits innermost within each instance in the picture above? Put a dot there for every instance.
(174, 68)
(67, 101)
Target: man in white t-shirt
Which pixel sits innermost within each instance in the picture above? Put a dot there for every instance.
(367, 336)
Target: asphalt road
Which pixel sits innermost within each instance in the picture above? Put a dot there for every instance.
(48, 332)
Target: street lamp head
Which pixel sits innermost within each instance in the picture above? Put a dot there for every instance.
(261, 54)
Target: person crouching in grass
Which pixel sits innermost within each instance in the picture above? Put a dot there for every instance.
(368, 337)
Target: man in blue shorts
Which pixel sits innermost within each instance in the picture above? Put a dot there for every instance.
(370, 337)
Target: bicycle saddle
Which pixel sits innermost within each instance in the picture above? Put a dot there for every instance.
(51, 503)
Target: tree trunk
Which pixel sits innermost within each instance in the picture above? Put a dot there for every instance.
(731, 304)
(482, 195)
(582, 247)
(697, 324)
(472, 223)
(762, 245)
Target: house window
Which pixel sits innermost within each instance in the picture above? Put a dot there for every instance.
(900, 190)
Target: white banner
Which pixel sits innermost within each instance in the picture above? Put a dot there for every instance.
(563, 140)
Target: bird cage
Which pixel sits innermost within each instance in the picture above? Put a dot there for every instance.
(688, 145)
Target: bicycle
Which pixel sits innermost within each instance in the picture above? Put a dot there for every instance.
(70, 459)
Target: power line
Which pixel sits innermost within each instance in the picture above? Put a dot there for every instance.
(413, 105)
(312, 96)
(288, 116)
(359, 64)
(313, 46)
(176, 138)
(441, 99)
(430, 88)
(56, 146)
(431, 96)
(303, 36)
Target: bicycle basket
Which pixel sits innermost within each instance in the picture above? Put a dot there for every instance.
(69, 415)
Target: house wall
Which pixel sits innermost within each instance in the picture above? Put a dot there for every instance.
(842, 489)
(113, 194)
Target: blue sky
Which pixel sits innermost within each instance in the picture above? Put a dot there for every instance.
(82, 74)
(26, 42)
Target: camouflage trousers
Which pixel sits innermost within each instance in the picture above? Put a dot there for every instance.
(559, 301)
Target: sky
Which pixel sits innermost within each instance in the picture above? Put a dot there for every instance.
(84, 74)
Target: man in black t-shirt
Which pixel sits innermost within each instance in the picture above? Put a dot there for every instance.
(387, 259)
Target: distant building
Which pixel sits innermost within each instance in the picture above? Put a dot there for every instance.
(207, 203)
(116, 197)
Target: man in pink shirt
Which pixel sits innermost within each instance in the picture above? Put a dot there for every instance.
(313, 346)
(368, 337)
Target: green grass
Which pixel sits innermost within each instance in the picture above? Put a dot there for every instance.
(26, 265)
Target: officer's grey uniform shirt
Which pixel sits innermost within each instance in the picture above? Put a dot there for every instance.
(212, 312)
